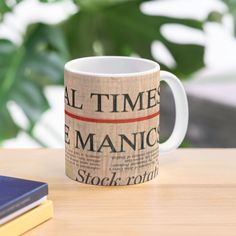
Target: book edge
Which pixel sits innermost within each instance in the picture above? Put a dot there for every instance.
(34, 195)
(21, 211)
(29, 220)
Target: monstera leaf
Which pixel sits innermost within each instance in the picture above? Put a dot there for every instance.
(25, 71)
(120, 28)
(101, 27)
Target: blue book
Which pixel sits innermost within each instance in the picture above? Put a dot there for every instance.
(16, 194)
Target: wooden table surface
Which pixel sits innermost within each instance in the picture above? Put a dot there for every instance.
(194, 194)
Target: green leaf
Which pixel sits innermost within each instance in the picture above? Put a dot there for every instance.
(91, 5)
(232, 10)
(25, 70)
(7, 54)
(189, 58)
(4, 8)
(215, 16)
(101, 27)
(7, 6)
(8, 128)
(122, 29)
(31, 99)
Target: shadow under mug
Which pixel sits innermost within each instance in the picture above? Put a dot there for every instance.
(112, 110)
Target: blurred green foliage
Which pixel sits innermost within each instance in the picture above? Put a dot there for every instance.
(232, 10)
(102, 27)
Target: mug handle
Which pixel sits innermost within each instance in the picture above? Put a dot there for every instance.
(181, 111)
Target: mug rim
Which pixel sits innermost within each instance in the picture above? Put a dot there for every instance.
(69, 64)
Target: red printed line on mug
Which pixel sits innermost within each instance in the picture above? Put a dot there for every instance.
(112, 121)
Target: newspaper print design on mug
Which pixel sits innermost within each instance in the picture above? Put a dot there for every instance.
(112, 128)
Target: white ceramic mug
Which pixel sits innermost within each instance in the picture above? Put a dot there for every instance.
(112, 109)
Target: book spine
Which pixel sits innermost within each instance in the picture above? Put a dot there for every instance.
(25, 200)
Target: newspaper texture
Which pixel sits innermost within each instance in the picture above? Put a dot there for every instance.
(112, 128)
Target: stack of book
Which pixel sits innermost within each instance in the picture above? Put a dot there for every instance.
(23, 205)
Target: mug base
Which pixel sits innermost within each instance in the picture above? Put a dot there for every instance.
(113, 180)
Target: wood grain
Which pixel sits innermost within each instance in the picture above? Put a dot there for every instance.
(194, 194)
